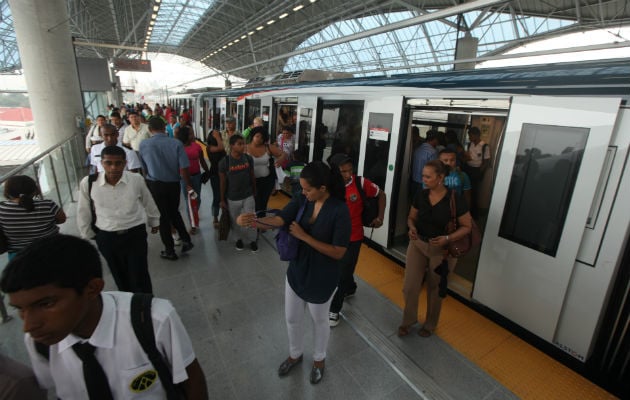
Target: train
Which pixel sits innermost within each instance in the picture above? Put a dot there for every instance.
(553, 204)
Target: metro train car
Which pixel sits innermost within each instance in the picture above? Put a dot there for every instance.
(553, 205)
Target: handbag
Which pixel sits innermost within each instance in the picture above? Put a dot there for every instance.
(287, 244)
(461, 247)
(224, 225)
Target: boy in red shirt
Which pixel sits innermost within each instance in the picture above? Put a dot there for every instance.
(347, 286)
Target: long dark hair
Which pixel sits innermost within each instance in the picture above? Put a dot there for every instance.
(22, 187)
(183, 134)
(319, 174)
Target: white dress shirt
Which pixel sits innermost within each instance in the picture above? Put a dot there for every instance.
(133, 137)
(133, 162)
(122, 206)
(118, 351)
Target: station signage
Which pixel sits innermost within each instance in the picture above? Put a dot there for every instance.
(127, 64)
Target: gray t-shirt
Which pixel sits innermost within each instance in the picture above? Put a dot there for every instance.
(238, 178)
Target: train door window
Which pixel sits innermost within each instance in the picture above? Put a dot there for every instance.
(338, 129)
(377, 147)
(252, 110)
(216, 114)
(304, 134)
(285, 114)
(547, 163)
(265, 117)
(239, 118)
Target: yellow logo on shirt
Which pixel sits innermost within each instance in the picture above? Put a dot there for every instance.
(143, 381)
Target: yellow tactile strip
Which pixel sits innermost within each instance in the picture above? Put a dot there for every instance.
(520, 367)
(523, 369)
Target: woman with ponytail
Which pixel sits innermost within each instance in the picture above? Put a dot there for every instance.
(312, 277)
(25, 216)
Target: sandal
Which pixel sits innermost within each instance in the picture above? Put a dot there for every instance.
(403, 330)
(424, 333)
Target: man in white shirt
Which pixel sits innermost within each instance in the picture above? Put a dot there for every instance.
(122, 202)
(64, 311)
(135, 133)
(110, 138)
(93, 137)
(118, 122)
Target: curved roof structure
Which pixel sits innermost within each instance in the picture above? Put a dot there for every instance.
(250, 38)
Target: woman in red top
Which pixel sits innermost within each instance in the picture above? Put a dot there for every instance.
(197, 160)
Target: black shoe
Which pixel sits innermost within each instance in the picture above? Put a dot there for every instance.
(350, 293)
(287, 364)
(254, 247)
(168, 255)
(317, 374)
(239, 245)
(187, 246)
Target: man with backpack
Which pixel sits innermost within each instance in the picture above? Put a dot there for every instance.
(478, 162)
(359, 191)
(88, 344)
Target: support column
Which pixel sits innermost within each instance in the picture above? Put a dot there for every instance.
(50, 69)
(466, 48)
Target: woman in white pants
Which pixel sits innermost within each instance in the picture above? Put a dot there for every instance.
(312, 277)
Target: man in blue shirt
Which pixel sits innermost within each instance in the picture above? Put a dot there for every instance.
(423, 154)
(164, 161)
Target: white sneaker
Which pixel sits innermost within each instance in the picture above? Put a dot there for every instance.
(333, 318)
(177, 240)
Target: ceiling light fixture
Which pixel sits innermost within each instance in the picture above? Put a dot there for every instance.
(313, 1)
(260, 28)
(237, 40)
(298, 8)
(270, 22)
(152, 22)
(243, 37)
(156, 8)
(250, 33)
(158, 1)
(283, 15)
(224, 47)
(154, 16)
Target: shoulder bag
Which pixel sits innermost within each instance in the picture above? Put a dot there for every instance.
(287, 244)
(461, 247)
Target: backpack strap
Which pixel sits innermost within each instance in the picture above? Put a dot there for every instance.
(91, 179)
(143, 328)
(359, 183)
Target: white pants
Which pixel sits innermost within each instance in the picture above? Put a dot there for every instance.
(294, 308)
(236, 208)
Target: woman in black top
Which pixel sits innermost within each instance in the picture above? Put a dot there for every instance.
(427, 220)
(216, 152)
(312, 278)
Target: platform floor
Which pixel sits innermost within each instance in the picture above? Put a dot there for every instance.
(231, 302)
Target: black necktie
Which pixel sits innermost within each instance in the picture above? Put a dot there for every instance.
(93, 374)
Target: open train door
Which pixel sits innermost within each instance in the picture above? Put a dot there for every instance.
(552, 156)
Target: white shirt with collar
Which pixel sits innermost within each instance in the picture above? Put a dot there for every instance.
(133, 137)
(118, 351)
(122, 206)
(475, 152)
(133, 162)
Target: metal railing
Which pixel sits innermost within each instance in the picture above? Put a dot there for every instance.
(57, 170)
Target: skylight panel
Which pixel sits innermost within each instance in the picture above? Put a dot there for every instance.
(176, 19)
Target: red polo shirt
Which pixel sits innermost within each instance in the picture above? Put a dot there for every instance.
(355, 204)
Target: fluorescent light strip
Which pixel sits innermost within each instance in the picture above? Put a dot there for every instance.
(298, 8)
(283, 15)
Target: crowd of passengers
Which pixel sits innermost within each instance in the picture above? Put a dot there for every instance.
(83, 342)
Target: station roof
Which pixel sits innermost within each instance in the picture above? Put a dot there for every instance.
(251, 38)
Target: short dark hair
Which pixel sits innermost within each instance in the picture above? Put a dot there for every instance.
(183, 133)
(113, 151)
(109, 127)
(447, 151)
(439, 167)
(157, 124)
(473, 130)
(235, 138)
(61, 260)
(101, 116)
(115, 114)
(318, 174)
(132, 112)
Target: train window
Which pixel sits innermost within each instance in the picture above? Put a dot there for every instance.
(252, 110)
(304, 132)
(338, 129)
(547, 163)
(239, 118)
(377, 147)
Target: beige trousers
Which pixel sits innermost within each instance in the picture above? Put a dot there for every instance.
(422, 259)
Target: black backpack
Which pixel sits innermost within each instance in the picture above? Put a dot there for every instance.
(370, 204)
(143, 328)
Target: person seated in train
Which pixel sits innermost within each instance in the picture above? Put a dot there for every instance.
(354, 200)
(255, 123)
(429, 214)
(423, 154)
(476, 165)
